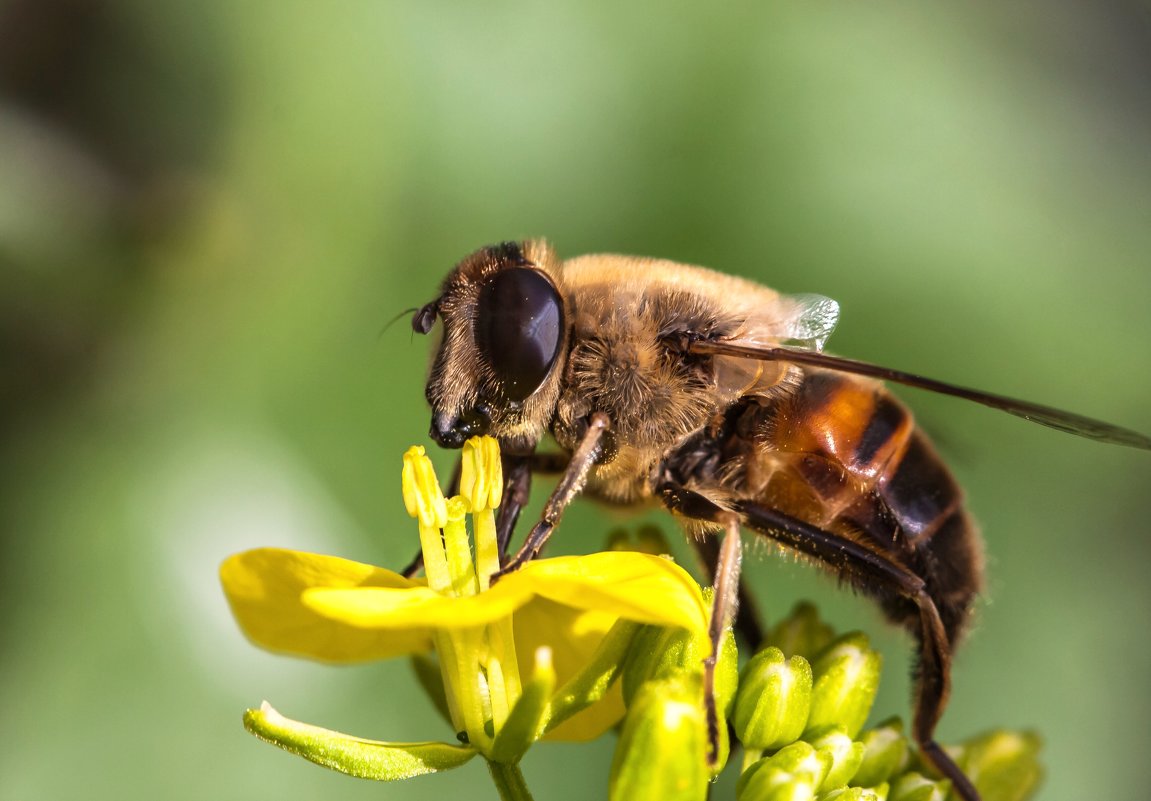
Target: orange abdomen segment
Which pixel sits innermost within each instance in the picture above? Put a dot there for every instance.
(842, 453)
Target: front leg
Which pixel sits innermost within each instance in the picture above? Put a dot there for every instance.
(570, 485)
(518, 472)
(517, 490)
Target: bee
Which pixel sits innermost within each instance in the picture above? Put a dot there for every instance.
(664, 383)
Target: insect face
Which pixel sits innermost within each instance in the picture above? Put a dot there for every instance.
(497, 367)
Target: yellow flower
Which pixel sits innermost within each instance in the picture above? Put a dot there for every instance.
(553, 615)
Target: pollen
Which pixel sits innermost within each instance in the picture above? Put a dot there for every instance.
(422, 496)
(481, 475)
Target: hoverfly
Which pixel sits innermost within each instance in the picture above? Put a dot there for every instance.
(663, 382)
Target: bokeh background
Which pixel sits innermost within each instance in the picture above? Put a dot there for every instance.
(209, 213)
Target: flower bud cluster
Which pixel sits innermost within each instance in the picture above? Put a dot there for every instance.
(663, 688)
(799, 712)
(798, 709)
(798, 716)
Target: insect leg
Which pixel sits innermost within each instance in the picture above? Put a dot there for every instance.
(517, 490)
(726, 588)
(518, 470)
(569, 486)
(748, 622)
(550, 462)
(854, 561)
(724, 605)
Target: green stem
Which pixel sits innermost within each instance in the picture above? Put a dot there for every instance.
(509, 781)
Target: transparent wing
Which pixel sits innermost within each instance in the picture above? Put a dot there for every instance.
(809, 320)
(799, 321)
(1058, 419)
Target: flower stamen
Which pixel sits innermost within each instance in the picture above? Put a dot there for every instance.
(425, 502)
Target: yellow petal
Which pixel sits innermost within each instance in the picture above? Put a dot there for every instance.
(635, 586)
(640, 587)
(265, 588)
(416, 608)
(573, 635)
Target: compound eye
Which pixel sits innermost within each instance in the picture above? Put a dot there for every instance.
(519, 325)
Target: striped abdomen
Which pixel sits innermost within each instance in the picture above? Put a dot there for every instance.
(842, 453)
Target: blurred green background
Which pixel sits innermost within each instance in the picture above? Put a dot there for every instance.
(210, 211)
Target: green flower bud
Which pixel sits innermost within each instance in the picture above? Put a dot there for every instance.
(528, 718)
(846, 757)
(846, 680)
(779, 785)
(658, 653)
(793, 773)
(774, 698)
(661, 752)
(885, 753)
(802, 632)
(915, 787)
(726, 674)
(856, 794)
(1004, 765)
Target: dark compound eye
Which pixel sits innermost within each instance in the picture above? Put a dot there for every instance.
(519, 325)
